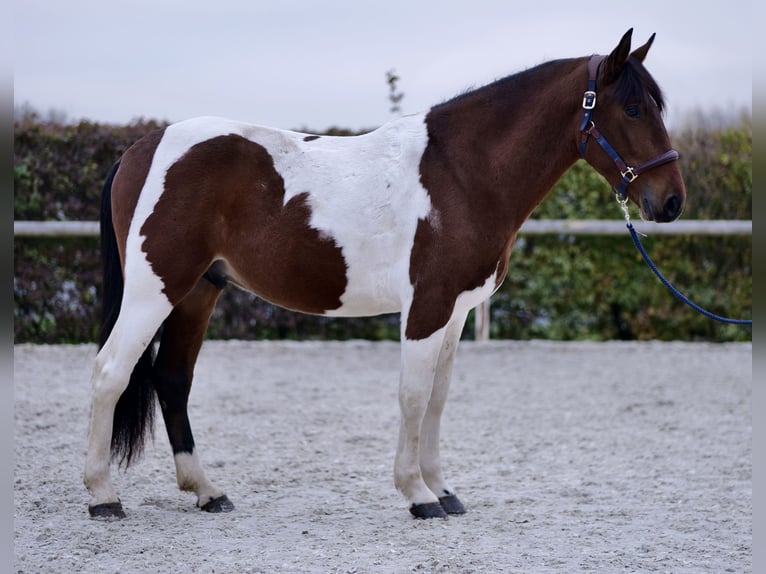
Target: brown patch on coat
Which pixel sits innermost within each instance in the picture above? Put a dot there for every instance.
(488, 163)
(463, 238)
(224, 200)
(128, 183)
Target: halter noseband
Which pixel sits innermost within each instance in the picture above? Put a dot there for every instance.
(588, 128)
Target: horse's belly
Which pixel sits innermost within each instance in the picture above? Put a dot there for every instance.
(372, 290)
(304, 269)
(310, 289)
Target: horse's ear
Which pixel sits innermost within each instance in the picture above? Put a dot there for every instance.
(613, 64)
(640, 53)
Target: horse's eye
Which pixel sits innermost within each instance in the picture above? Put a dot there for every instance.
(633, 111)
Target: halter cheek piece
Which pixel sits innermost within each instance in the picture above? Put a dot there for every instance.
(588, 129)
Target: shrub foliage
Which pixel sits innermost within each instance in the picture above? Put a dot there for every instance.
(558, 287)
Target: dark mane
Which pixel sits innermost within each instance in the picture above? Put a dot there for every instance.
(502, 83)
(635, 84)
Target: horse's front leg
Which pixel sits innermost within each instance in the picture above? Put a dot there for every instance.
(419, 360)
(430, 464)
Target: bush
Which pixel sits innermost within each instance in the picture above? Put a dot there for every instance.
(566, 287)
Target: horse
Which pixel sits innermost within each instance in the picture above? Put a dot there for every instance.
(418, 217)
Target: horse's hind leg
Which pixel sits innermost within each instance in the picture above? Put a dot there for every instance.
(132, 334)
(182, 337)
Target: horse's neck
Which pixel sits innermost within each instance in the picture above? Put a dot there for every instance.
(513, 140)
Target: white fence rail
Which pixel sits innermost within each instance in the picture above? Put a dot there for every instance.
(530, 227)
(55, 228)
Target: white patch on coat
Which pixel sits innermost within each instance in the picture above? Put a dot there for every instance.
(364, 193)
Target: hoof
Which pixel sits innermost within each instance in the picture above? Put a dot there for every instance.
(428, 510)
(107, 510)
(220, 504)
(451, 504)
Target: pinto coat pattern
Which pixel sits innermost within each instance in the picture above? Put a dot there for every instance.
(418, 217)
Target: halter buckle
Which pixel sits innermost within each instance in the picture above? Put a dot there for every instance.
(589, 100)
(629, 175)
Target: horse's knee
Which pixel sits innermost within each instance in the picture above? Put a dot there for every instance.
(108, 385)
(112, 370)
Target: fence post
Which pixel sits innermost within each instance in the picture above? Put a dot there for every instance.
(482, 320)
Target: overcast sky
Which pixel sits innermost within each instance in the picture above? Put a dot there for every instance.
(294, 64)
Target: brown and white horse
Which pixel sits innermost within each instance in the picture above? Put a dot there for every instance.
(418, 217)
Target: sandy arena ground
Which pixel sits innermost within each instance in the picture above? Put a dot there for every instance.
(571, 457)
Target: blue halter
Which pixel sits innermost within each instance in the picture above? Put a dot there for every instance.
(588, 128)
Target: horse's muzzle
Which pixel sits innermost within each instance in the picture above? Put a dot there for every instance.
(671, 209)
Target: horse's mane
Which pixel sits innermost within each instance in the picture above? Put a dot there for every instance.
(501, 83)
(635, 83)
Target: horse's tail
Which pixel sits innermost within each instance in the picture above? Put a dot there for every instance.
(134, 413)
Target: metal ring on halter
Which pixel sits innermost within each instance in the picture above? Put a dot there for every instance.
(629, 175)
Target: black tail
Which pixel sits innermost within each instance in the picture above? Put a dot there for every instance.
(134, 414)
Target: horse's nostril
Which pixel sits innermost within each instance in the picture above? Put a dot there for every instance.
(672, 207)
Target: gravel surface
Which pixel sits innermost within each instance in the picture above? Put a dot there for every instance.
(571, 457)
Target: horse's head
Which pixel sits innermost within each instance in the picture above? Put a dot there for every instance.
(627, 123)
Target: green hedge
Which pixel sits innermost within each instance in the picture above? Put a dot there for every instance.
(565, 287)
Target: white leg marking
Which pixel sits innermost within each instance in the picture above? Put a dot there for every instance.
(430, 463)
(132, 333)
(419, 359)
(425, 376)
(109, 381)
(191, 477)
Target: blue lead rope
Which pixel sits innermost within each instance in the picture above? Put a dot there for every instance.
(676, 292)
(588, 129)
